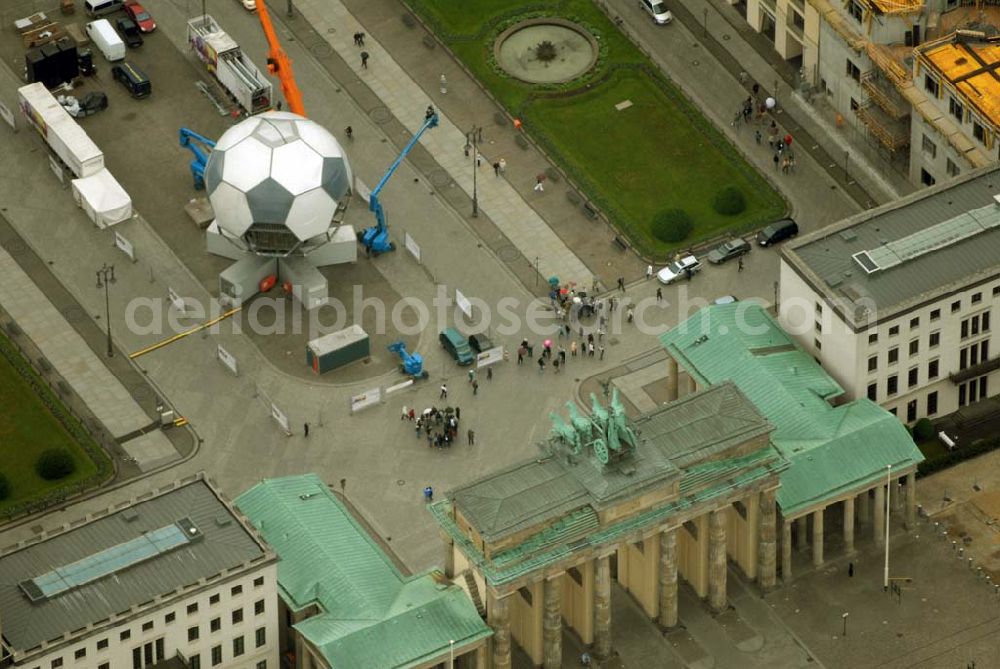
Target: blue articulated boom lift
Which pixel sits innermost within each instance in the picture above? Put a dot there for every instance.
(200, 156)
(376, 238)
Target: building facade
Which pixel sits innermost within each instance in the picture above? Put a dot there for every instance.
(898, 302)
(175, 577)
(684, 492)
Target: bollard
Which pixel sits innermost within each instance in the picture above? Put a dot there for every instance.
(970, 563)
(979, 572)
(954, 545)
(961, 552)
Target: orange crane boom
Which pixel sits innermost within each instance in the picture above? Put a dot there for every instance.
(278, 62)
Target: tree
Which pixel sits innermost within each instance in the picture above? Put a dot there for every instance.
(923, 430)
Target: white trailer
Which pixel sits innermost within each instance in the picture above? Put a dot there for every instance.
(63, 135)
(233, 69)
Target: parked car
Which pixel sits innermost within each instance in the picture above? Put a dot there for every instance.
(138, 13)
(129, 32)
(733, 248)
(686, 266)
(725, 299)
(778, 231)
(479, 343)
(249, 5)
(133, 79)
(657, 11)
(453, 342)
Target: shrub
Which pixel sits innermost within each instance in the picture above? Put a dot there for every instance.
(546, 51)
(729, 201)
(4, 487)
(54, 463)
(672, 226)
(959, 454)
(923, 430)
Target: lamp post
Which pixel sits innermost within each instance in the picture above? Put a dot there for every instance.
(845, 622)
(105, 276)
(472, 138)
(888, 492)
(451, 654)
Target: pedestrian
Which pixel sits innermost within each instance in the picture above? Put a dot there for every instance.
(361, 39)
(555, 365)
(405, 414)
(621, 287)
(590, 350)
(496, 168)
(471, 436)
(602, 352)
(539, 183)
(479, 159)
(520, 354)
(357, 39)
(531, 351)
(349, 131)
(572, 348)
(659, 295)
(412, 414)
(630, 315)
(585, 659)
(850, 570)
(475, 387)
(444, 391)
(503, 165)
(776, 159)
(429, 494)
(600, 334)
(739, 264)
(649, 272)
(541, 365)
(757, 136)
(590, 337)
(279, 105)
(305, 429)
(489, 373)
(417, 427)
(472, 375)
(562, 355)
(364, 59)
(458, 413)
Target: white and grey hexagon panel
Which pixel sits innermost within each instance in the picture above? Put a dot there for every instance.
(277, 168)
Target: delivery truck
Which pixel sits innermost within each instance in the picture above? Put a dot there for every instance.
(231, 67)
(63, 135)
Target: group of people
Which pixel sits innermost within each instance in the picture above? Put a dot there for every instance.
(438, 426)
(783, 158)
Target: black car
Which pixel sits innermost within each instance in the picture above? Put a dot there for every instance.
(130, 32)
(479, 343)
(778, 231)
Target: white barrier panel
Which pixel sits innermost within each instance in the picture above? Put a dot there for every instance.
(7, 115)
(279, 416)
(411, 246)
(229, 360)
(175, 299)
(463, 303)
(57, 170)
(125, 246)
(489, 357)
(366, 399)
(399, 386)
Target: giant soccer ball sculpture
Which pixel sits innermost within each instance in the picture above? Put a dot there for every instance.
(275, 182)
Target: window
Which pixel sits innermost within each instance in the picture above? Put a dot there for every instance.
(873, 338)
(262, 664)
(260, 637)
(104, 665)
(148, 625)
(914, 346)
(914, 323)
(977, 298)
(986, 321)
(893, 411)
(193, 633)
(192, 608)
(818, 344)
(195, 661)
(982, 387)
(893, 355)
(932, 403)
(56, 662)
(933, 340)
(214, 599)
(955, 108)
(216, 656)
(258, 607)
(931, 85)
(892, 385)
(237, 616)
(102, 644)
(238, 646)
(852, 71)
(215, 624)
(979, 132)
(951, 168)
(258, 582)
(125, 635)
(961, 395)
(932, 369)
(956, 305)
(80, 653)
(873, 391)
(912, 377)
(928, 147)
(963, 359)
(855, 10)
(996, 291)
(936, 314)
(926, 178)
(911, 411)
(819, 308)
(965, 328)
(894, 330)
(873, 363)
(169, 618)
(237, 590)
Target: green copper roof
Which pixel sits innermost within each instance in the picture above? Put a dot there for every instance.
(832, 449)
(371, 615)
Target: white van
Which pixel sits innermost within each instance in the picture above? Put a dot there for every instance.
(102, 7)
(106, 39)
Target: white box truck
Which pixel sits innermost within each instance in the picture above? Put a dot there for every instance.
(227, 62)
(63, 135)
(106, 39)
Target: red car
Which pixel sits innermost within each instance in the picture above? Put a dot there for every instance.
(138, 13)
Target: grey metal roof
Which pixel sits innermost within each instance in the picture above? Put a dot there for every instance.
(825, 259)
(225, 543)
(696, 428)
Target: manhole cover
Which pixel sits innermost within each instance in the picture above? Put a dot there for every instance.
(380, 115)
(725, 37)
(141, 391)
(15, 246)
(331, 30)
(400, 482)
(321, 50)
(439, 178)
(73, 313)
(508, 253)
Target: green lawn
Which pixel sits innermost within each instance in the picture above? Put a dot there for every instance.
(659, 154)
(27, 428)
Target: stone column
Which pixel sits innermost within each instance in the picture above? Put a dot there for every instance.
(480, 659)
(802, 533)
(818, 537)
(552, 623)
(668, 578)
(765, 542)
(786, 551)
(449, 557)
(849, 525)
(717, 560)
(499, 619)
(911, 500)
(671, 378)
(602, 607)
(692, 386)
(864, 509)
(878, 527)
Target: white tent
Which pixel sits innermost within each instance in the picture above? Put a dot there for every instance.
(103, 198)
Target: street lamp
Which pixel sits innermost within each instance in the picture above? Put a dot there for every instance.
(451, 654)
(472, 139)
(888, 492)
(845, 622)
(105, 276)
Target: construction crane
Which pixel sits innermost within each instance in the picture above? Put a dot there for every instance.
(376, 238)
(200, 156)
(279, 64)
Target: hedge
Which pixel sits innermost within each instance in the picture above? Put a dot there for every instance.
(959, 454)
